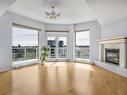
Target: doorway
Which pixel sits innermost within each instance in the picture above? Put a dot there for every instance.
(58, 46)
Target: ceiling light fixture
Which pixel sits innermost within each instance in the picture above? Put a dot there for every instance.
(52, 15)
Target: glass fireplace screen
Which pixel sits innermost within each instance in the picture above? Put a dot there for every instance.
(112, 55)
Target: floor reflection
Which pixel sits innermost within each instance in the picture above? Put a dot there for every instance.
(62, 78)
(6, 83)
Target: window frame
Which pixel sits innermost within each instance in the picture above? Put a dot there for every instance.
(84, 30)
(14, 25)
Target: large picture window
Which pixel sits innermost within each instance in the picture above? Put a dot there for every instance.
(24, 43)
(82, 44)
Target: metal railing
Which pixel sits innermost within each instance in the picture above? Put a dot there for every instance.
(24, 53)
(60, 52)
(82, 52)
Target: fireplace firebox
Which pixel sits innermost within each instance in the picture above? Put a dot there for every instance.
(112, 55)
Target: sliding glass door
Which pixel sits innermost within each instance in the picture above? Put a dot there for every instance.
(57, 44)
(82, 45)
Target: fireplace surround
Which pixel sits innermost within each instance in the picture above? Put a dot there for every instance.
(114, 43)
(113, 55)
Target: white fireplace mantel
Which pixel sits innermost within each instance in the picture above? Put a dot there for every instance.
(116, 40)
(120, 43)
(113, 43)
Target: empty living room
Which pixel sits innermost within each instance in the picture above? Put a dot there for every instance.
(63, 47)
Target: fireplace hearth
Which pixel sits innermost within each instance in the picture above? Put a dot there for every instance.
(112, 55)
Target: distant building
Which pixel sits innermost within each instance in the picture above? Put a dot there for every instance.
(52, 52)
(52, 43)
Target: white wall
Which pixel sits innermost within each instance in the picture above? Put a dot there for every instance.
(57, 27)
(6, 21)
(117, 29)
(95, 34)
(5, 42)
(71, 42)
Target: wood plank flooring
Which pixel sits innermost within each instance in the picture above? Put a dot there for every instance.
(62, 78)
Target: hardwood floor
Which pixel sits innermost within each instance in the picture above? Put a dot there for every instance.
(62, 79)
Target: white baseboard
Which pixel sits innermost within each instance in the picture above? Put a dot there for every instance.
(24, 63)
(82, 60)
(5, 70)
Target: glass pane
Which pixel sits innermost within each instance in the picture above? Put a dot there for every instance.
(31, 53)
(82, 44)
(52, 47)
(62, 47)
(18, 54)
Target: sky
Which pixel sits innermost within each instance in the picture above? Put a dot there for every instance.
(24, 37)
(82, 38)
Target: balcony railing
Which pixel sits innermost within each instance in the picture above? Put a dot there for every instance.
(24, 53)
(82, 52)
(60, 52)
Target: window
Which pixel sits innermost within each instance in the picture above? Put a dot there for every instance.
(82, 44)
(24, 43)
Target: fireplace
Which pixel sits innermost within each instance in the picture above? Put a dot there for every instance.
(112, 55)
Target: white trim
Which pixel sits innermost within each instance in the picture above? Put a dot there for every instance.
(5, 70)
(57, 60)
(82, 60)
(19, 64)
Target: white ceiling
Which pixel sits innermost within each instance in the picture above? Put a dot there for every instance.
(109, 11)
(73, 11)
(4, 5)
